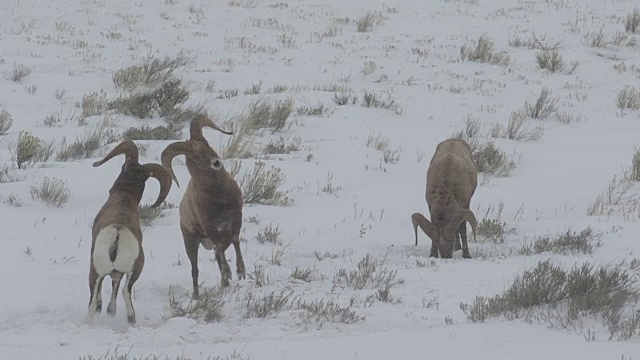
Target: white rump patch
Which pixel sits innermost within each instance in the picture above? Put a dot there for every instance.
(127, 250)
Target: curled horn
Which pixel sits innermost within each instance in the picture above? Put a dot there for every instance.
(171, 151)
(427, 226)
(195, 129)
(163, 177)
(128, 148)
(458, 218)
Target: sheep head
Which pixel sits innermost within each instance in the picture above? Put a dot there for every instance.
(196, 149)
(443, 236)
(133, 175)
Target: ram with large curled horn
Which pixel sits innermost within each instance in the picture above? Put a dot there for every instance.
(116, 247)
(452, 178)
(211, 207)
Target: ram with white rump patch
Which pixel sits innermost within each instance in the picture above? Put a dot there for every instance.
(116, 247)
(452, 179)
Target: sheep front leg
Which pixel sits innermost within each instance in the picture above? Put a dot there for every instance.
(240, 269)
(434, 250)
(465, 245)
(223, 265)
(191, 245)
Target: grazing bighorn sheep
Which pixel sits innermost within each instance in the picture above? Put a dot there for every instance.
(451, 181)
(116, 247)
(211, 207)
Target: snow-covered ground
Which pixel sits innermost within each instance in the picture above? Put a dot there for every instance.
(348, 202)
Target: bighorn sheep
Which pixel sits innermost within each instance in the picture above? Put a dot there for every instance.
(116, 247)
(452, 178)
(211, 207)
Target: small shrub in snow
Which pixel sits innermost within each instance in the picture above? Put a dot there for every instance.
(567, 242)
(265, 115)
(162, 100)
(267, 306)
(324, 255)
(6, 120)
(146, 132)
(594, 39)
(618, 194)
(8, 175)
(269, 234)
(149, 214)
(316, 110)
(12, 200)
(550, 60)
(628, 98)
(492, 229)
(492, 160)
(635, 166)
(18, 73)
(228, 93)
(262, 186)
(342, 96)
(632, 21)
(535, 42)
(85, 145)
(52, 191)
(321, 311)
(482, 51)
(208, 307)
(369, 68)
(303, 274)
(378, 141)
(116, 355)
(93, 104)
(254, 89)
(258, 276)
(518, 130)
(543, 107)
(367, 274)
(391, 156)
(280, 147)
(29, 149)
(367, 21)
(373, 100)
(562, 297)
(152, 70)
(566, 117)
(240, 144)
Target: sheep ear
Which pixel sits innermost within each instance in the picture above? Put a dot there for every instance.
(459, 217)
(427, 227)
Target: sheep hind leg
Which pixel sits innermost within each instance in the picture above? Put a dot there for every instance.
(465, 245)
(240, 269)
(126, 294)
(223, 265)
(99, 296)
(94, 286)
(116, 277)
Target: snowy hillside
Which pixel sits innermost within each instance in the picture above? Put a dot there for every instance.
(341, 104)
